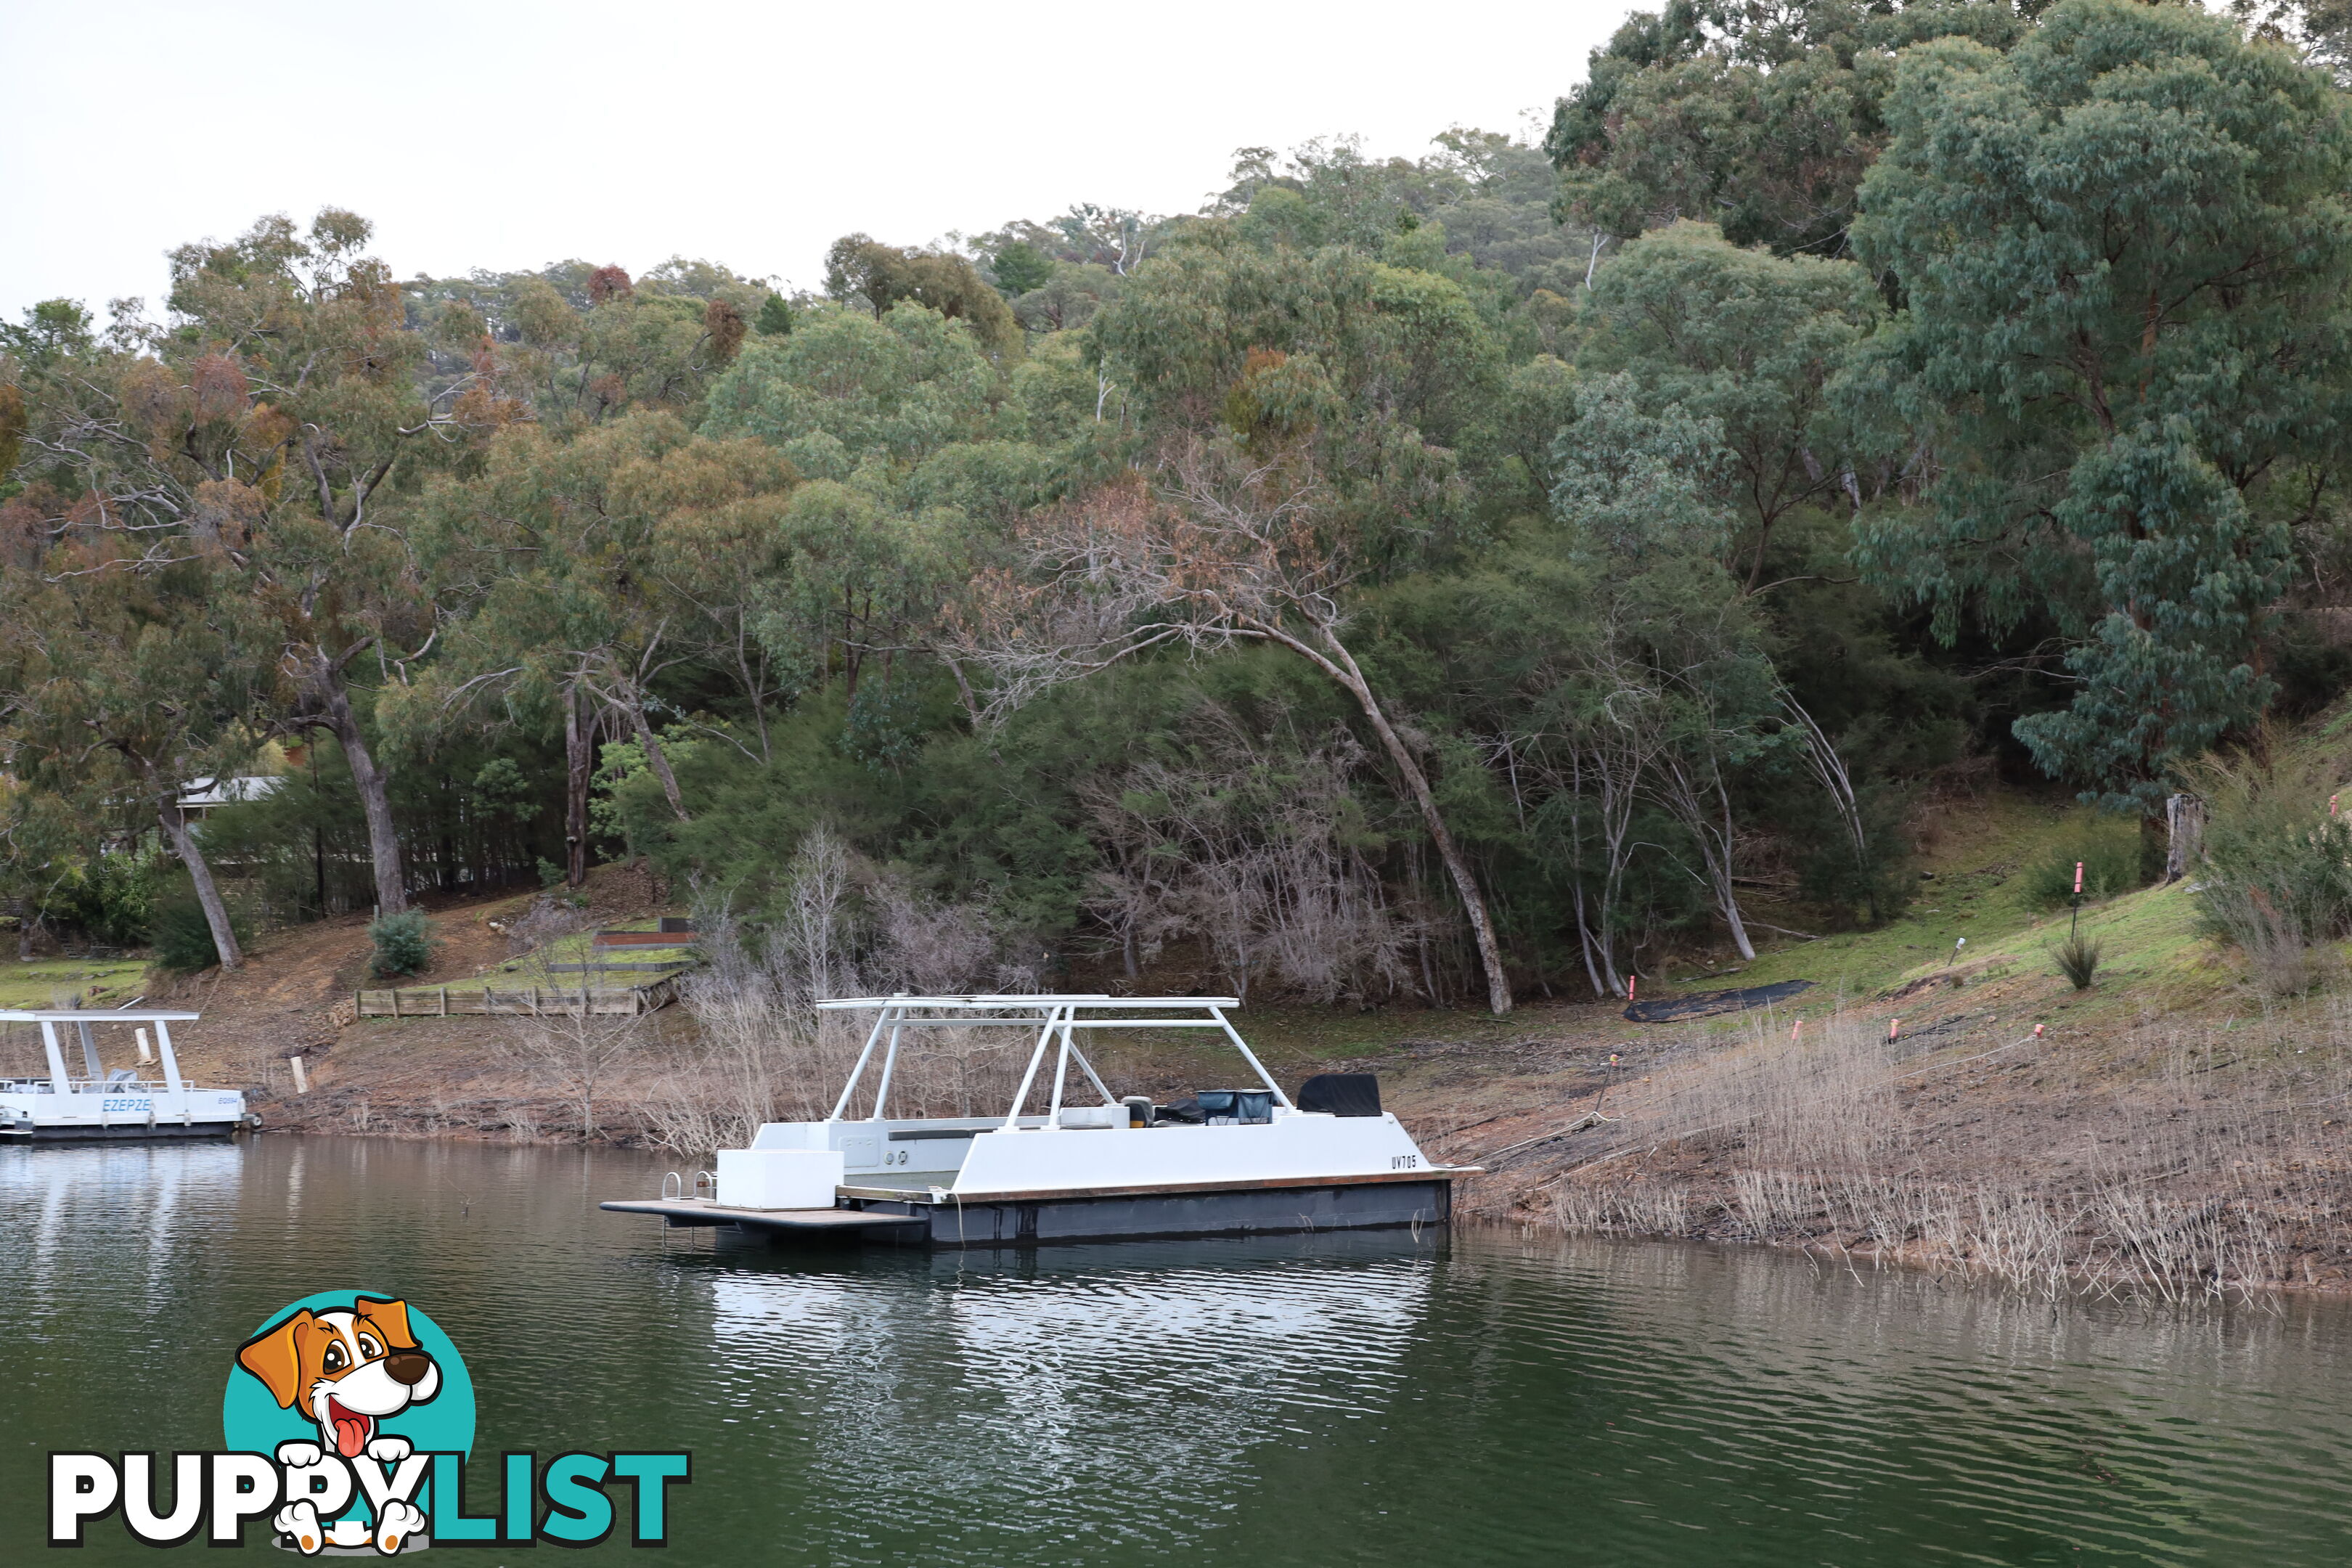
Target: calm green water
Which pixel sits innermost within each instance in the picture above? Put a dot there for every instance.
(1375, 1399)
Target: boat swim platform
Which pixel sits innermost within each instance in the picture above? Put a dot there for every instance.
(691, 1212)
(906, 1217)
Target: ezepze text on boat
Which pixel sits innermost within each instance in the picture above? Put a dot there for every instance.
(118, 1105)
(1226, 1162)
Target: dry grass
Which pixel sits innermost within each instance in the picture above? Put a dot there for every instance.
(2201, 1164)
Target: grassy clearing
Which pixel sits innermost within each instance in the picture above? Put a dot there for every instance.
(555, 955)
(1981, 887)
(55, 982)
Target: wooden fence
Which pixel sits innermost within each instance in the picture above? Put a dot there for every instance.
(528, 1001)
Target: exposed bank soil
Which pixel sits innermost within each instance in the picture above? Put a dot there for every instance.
(2151, 1143)
(292, 997)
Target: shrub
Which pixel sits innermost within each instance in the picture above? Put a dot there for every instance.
(122, 894)
(403, 942)
(181, 936)
(2109, 852)
(2278, 868)
(1872, 879)
(2078, 959)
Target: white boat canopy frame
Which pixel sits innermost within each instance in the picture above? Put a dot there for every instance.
(48, 1018)
(1054, 1015)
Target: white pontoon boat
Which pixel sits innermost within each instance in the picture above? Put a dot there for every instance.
(119, 1104)
(1222, 1161)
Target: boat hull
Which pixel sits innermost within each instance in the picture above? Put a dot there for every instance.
(1042, 1220)
(119, 1133)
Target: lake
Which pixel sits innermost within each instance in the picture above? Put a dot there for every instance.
(1380, 1398)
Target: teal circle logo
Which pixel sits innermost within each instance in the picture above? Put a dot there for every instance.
(341, 1387)
(344, 1368)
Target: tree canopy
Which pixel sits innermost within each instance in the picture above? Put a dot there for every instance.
(1428, 579)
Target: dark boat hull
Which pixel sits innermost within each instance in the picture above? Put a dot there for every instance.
(1036, 1220)
(119, 1132)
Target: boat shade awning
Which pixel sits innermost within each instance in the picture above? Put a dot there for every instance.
(1028, 1000)
(95, 1016)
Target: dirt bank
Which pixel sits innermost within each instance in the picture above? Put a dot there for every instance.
(2171, 1130)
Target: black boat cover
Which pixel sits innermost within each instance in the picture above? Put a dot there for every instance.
(1705, 1003)
(1341, 1093)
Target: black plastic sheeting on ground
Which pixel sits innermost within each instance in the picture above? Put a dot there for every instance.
(1708, 1002)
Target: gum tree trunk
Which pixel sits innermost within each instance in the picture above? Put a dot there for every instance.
(579, 768)
(332, 699)
(1340, 665)
(182, 841)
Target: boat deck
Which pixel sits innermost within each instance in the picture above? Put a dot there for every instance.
(680, 1212)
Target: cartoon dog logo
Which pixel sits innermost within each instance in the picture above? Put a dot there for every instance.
(346, 1372)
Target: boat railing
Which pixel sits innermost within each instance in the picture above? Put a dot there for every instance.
(85, 1086)
(1054, 1016)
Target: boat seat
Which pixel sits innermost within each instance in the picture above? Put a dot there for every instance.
(1228, 1107)
(122, 1075)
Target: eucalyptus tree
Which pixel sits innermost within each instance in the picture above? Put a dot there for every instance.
(580, 345)
(1751, 343)
(1761, 118)
(1679, 652)
(915, 464)
(859, 267)
(268, 427)
(593, 571)
(2124, 248)
(126, 679)
(1304, 407)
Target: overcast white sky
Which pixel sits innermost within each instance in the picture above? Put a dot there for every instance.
(508, 133)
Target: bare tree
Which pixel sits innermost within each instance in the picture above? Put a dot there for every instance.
(577, 1049)
(1248, 852)
(1829, 769)
(565, 1040)
(1593, 733)
(1233, 549)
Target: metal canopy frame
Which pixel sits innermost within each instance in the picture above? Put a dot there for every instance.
(48, 1018)
(1054, 1015)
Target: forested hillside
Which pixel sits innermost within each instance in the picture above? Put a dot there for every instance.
(1426, 581)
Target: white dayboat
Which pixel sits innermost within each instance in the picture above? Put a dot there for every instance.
(116, 1105)
(1226, 1162)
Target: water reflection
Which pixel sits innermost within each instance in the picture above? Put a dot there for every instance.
(144, 1196)
(1375, 1398)
(1071, 1378)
